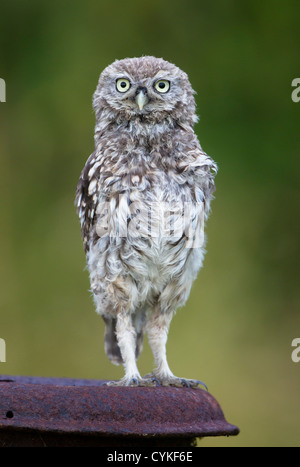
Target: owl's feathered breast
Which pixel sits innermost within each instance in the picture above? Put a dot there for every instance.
(141, 169)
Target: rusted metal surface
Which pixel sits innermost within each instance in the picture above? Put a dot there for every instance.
(62, 411)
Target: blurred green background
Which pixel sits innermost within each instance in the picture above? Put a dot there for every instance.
(236, 330)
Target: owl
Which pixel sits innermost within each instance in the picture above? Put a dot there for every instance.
(143, 198)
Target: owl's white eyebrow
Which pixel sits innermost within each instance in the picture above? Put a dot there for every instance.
(123, 77)
(162, 74)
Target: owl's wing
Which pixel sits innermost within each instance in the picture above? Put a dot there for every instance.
(87, 198)
(202, 169)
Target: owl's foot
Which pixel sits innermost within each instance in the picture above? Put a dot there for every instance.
(124, 382)
(175, 381)
(134, 382)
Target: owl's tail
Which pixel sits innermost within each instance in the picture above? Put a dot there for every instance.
(111, 346)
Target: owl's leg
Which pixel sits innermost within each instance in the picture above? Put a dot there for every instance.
(157, 330)
(126, 337)
(127, 342)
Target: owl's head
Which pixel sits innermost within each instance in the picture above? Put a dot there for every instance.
(146, 87)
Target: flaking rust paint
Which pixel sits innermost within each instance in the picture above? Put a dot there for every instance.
(87, 412)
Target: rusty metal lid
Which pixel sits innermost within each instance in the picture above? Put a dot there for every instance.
(66, 405)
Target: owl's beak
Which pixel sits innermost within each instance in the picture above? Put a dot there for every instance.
(141, 98)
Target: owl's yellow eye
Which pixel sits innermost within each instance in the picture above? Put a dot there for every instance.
(123, 84)
(162, 86)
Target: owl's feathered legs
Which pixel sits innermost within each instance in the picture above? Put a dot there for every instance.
(127, 339)
(157, 330)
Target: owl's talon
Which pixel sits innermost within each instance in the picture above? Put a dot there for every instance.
(124, 382)
(152, 378)
(174, 381)
(185, 383)
(193, 383)
(201, 384)
(155, 380)
(150, 381)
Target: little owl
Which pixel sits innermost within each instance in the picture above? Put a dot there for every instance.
(142, 199)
